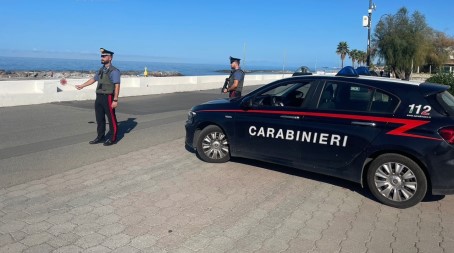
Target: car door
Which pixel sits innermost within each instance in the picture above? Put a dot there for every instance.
(267, 129)
(349, 116)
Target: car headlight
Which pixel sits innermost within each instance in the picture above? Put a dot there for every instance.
(191, 116)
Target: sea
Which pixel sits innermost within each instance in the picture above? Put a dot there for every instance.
(187, 69)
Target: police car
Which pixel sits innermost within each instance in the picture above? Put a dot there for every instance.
(396, 137)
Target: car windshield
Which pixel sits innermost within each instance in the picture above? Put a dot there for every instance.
(280, 90)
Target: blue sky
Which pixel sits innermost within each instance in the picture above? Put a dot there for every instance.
(200, 31)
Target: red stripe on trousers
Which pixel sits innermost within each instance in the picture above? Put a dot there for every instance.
(112, 116)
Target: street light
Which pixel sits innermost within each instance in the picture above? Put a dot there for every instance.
(372, 8)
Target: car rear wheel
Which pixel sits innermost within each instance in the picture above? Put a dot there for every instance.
(397, 180)
(212, 145)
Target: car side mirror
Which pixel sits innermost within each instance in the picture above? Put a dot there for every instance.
(246, 103)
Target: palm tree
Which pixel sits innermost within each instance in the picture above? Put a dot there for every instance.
(362, 57)
(354, 55)
(342, 50)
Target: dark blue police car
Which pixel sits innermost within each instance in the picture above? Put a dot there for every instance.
(394, 136)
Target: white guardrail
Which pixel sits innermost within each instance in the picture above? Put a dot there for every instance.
(27, 92)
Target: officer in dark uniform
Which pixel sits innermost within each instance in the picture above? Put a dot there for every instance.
(107, 91)
(235, 80)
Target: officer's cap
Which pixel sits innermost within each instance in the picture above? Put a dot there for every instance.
(105, 52)
(233, 59)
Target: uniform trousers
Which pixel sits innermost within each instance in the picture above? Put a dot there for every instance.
(103, 109)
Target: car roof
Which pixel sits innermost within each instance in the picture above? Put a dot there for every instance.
(348, 73)
(384, 83)
(386, 79)
(362, 79)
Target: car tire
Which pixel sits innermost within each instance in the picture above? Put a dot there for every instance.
(396, 180)
(212, 145)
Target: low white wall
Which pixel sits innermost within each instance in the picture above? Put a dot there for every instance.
(27, 92)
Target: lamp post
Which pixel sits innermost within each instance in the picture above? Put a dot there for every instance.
(372, 7)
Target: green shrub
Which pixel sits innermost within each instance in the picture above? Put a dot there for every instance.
(443, 78)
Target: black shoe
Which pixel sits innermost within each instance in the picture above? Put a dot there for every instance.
(109, 142)
(97, 140)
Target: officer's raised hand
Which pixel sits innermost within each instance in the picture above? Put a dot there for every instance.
(87, 83)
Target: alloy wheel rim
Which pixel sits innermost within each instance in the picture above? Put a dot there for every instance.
(395, 181)
(215, 145)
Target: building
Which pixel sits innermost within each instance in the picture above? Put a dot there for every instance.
(449, 64)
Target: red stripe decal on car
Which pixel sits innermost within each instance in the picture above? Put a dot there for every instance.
(407, 124)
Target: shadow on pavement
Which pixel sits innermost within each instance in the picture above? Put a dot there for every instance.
(432, 198)
(125, 127)
(355, 187)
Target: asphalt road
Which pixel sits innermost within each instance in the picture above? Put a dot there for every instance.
(41, 140)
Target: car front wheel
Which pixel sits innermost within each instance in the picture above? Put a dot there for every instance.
(396, 180)
(212, 145)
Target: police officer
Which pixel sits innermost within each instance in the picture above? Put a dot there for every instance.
(107, 91)
(235, 80)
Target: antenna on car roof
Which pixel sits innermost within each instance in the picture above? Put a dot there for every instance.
(347, 71)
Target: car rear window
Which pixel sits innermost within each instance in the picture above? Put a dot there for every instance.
(383, 103)
(444, 103)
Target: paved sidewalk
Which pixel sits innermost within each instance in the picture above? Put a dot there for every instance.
(164, 199)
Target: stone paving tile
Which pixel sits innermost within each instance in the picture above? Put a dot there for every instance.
(97, 249)
(12, 226)
(61, 228)
(37, 227)
(116, 241)
(90, 240)
(125, 249)
(42, 248)
(13, 248)
(108, 219)
(5, 239)
(36, 239)
(86, 229)
(143, 242)
(18, 236)
(63, 240)
(164, 199)
(68, 249)
(111, 229)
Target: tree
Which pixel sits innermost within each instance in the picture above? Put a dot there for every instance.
(402, 41)
(438, 53)
(357, 56)
(362, 57)
(342, 50)
(354, 55)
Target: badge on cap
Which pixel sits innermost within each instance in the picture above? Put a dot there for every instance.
(106, 52)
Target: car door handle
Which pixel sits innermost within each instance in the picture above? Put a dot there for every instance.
(360, 123)
(289, 117)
